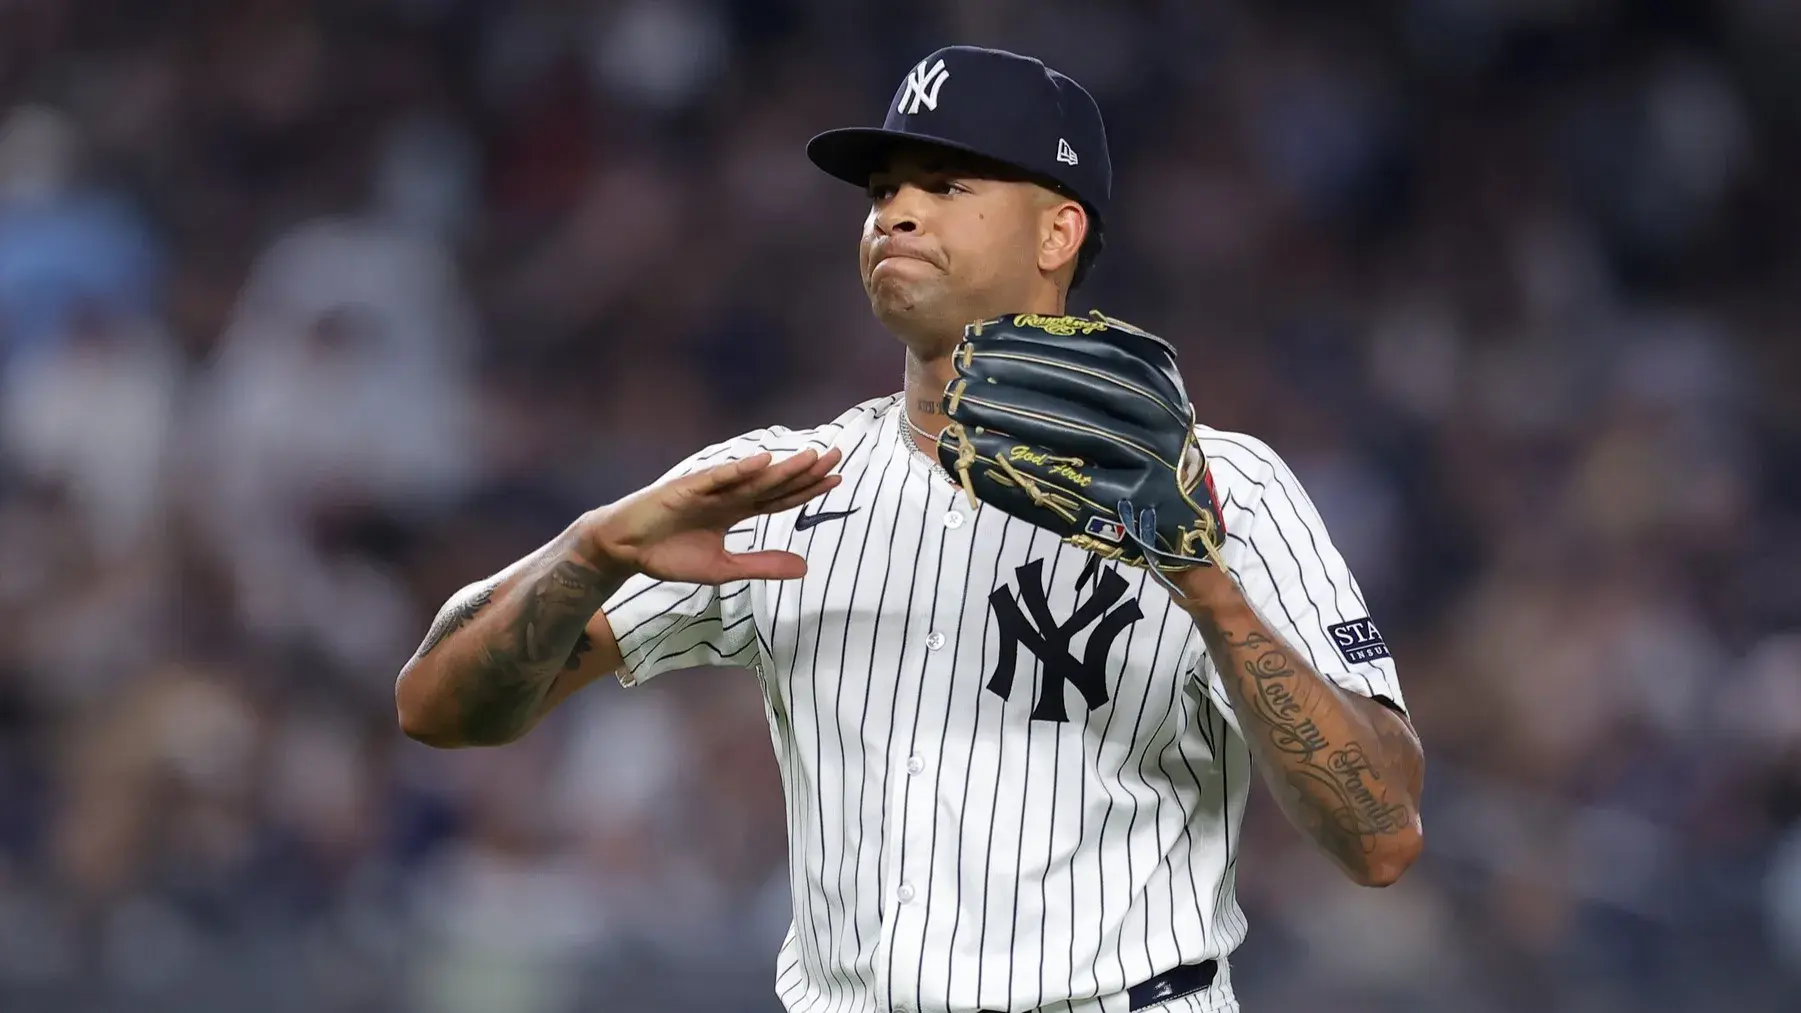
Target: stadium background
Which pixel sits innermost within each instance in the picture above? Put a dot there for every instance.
(310, 312)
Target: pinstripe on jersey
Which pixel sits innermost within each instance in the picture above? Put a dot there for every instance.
(949, 851)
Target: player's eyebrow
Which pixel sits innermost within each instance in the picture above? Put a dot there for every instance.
(919, 175)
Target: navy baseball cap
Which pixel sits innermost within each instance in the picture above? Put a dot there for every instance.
(1002, 106)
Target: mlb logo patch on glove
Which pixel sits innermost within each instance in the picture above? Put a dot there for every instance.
(1112, 532)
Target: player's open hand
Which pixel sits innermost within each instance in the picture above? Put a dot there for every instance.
(675, 530)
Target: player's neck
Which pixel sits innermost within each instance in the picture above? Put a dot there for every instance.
(926, 380)
(927, 376)
(929, 369)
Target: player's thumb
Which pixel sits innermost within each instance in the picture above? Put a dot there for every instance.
(769, 564)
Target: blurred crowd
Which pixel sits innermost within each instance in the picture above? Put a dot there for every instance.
(311, 312)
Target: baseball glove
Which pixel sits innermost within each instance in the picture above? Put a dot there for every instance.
(1080, 425)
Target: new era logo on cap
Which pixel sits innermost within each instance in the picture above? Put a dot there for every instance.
(921, 88)
(1065, 153)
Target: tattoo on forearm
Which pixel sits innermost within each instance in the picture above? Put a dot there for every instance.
(583, 644)
(514, 674)
(457, 613)
(1338, 793)
(1351, 768)
(517, 658)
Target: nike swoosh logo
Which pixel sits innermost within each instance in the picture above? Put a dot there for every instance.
(807, 520)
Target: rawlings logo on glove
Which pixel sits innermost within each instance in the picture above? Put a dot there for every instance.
(1080, 425)
(1062, 326)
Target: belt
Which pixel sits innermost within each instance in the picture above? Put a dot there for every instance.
(1173, 984)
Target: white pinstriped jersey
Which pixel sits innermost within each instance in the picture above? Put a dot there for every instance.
(1014, 780)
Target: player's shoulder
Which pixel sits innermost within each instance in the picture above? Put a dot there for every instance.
(850, 425)
(1244, 455)
(1251, 480)
(1249, 476)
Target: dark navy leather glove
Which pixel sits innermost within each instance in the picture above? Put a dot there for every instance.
(1080, 425)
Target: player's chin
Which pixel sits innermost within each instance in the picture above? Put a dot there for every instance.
(921, 325)
(895, 300)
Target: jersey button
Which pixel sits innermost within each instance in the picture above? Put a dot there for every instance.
(953, 520)
(915, 765)
(905, 893)
(934, 640)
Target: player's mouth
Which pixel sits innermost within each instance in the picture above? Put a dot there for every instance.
(903, 270)
(902, 265)
(901, 251)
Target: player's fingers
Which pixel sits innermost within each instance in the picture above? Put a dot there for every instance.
(812, 475)
(729, 474)
(769, 564)
(827, 461)
(796, 497)
(793, 473)
(757, 485)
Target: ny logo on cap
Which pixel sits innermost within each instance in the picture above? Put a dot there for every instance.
(922, 87)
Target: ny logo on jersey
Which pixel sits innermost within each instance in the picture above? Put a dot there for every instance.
(1049, 640)
(922, 87)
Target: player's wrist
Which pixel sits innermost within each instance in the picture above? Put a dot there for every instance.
(1206, 589)
(595, 541)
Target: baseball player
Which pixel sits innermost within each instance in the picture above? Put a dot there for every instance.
(1022, 630)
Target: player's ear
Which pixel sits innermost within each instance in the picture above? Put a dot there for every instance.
(1063, 225)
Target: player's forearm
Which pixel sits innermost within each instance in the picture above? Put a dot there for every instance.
(493, 655)
(1346, 772)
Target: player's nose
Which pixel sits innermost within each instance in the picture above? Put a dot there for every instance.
(902, 212)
